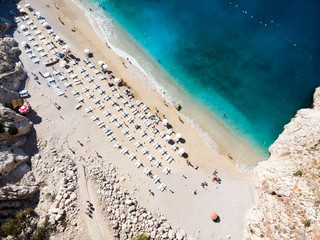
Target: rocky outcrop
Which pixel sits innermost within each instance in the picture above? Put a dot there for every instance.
(288, 184)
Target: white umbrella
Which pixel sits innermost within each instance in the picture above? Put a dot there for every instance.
(21, 10)
(27, 5)
(181, 151)
(23, 27)
(178, 136)
(67, 47)
(23, 43)
(165, 122)
(104, 66)
(168, 138)
(57, 38)
(117, 80)
(37, 13)
(100, 63)
(18, 7)
(45, 24)
(86, 51)
(63, 63)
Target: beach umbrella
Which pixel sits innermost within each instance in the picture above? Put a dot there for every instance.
(18, 7)
(24, 108)
(177, 138)
(168, 138)
(63, 63)
(23, 43)
(57, 38)
(104, 66)
(45, 24)
(86, 51)
(213, 215)
(100, 63)
(66, 47)
(37, 13)
(117, 80)
(181, 151)
(165, 122)
(23, 27)
(21, 10)
(27, 5)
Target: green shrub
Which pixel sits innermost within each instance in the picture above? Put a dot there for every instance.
(1, 127)
(11, 227)
(141, 236)
(298, 173)
(43, 232)
(12, 130)
(63, 221)
(307, 223)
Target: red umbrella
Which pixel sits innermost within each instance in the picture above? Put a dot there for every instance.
(213, 215)
(24, 108)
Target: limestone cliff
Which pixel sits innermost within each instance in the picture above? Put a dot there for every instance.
(288, 184)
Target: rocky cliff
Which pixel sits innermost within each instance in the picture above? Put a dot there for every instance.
(288, 184)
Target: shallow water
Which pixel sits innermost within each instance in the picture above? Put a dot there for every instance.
(252, 64)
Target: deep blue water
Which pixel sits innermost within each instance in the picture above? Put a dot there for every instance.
(257, 62)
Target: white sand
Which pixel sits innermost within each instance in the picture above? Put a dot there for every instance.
(231, 199)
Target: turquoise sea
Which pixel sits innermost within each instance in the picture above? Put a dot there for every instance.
(252, 64)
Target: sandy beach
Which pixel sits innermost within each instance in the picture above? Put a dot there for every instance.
(74, 132)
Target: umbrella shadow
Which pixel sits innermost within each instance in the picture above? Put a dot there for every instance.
(217, 220)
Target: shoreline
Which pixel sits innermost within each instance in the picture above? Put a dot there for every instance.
(236, 190)
(243, 153)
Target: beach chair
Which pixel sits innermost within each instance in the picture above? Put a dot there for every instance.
(118, 108)
(130, 120)
(90, 95)
(144, 107)
(89, 109)
(51, 80)
(163, 151)
(118, 95)
(148, 123)
(155, 130)
(39, 49)
(111, 138)
(170, 131)
(125, 131)
(77, 81)
(132, 156)
(138, 102)
(31, 38)
(74, 92)
(118, 124)
(109, 133)
(34, 27)
(138, 163)
(124, 101)
(85, 74)
(156, 145)
(106, 113)
(81, 69)
(144, 151)
(73, 76)
(101, 106)
(89, 79)
(117, 146)
(91, 65)
(96, 71)
(96, 100)
(157, 163)
(85, 89)
(162, 134)
(113, 88)
(102, 91)
(138, 144)
(69, 70)
(150, 157)
(130, 105)
(102, 77)
(74, 62)
(147, 171)
(155, 179)
(56, 72)
(162, 187)
(37, 32)
(135, 111)
(141, 115)
(106, 130)
(41, 37)
(35, 44)
(101, 124)
(62, 78)
(45, 42)
(143, 133)
(36, 60)
(54, 51)
(174, 147)
(113, 118)
(169, 159)
(79, 99)
(30, 22)
(106, 97)
(27, 33)
(166, 170)
(130, 137)
(94, 118)
(113, 103)
(78, 106)
(150, 139)
(31, 56)
(125, 114)
(124, 151)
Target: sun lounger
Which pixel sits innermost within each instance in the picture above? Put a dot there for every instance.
(157, 163)
(144, 151)
(41, 37)
(60, 93)
(50, 31)
(27, 33)
(124, 151)
(37, 32)
(118, 124)
(62, 78)
(148, 123)
(141, 115)
(144, 107)
(162, 187)
(56, 72)
(125, 114)
(78, 106)
(73, 76)
(50, 80)
(77, 82)
(69, 70)
(96, 71)
(36, 60)
(143, 133)
(125, 131)
(101, 124)
(163, 151)
(170, 131)
(29, 51)
(102, 91)
(154, 130)
(111, 138)
(118, 108)
(35, 44)
(34, 27)
(91, 65)
(85, 74)
(113, 103)
(106, 113)
(67, 84)
(89, 79)
(174, 147)
(150, 157)
(54, 51)
(39, 49)
(74, 62)
(31, 56)
(47, 74)
(169, 159)
(25, 18)
(130, 137)
(74, 92)
(81, 69)
(155, 179)
(130, 105)
(86, 61)
(118, 95)
(156, 145)
(166, 170)
(138, 164)
(31, 38)
(124, 101)
(102, 77)
(147, 171)
(149, 114)
(109, 133)
(113, 88)
(90, 95)
(138, 144)
(132, 156)
(113, 119)
(85, 89)
(117, 145)
(150, 139)
(45, 42)
(96, 100)
(51, 47)
(96, 86)
(101, 106)
(138, 102)
(79, 99)
(89, 109)
(130, 120)
(30, 22)
(16, 20)
(135, 111)
(106, 130)
(162, 134)
(94, 118)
